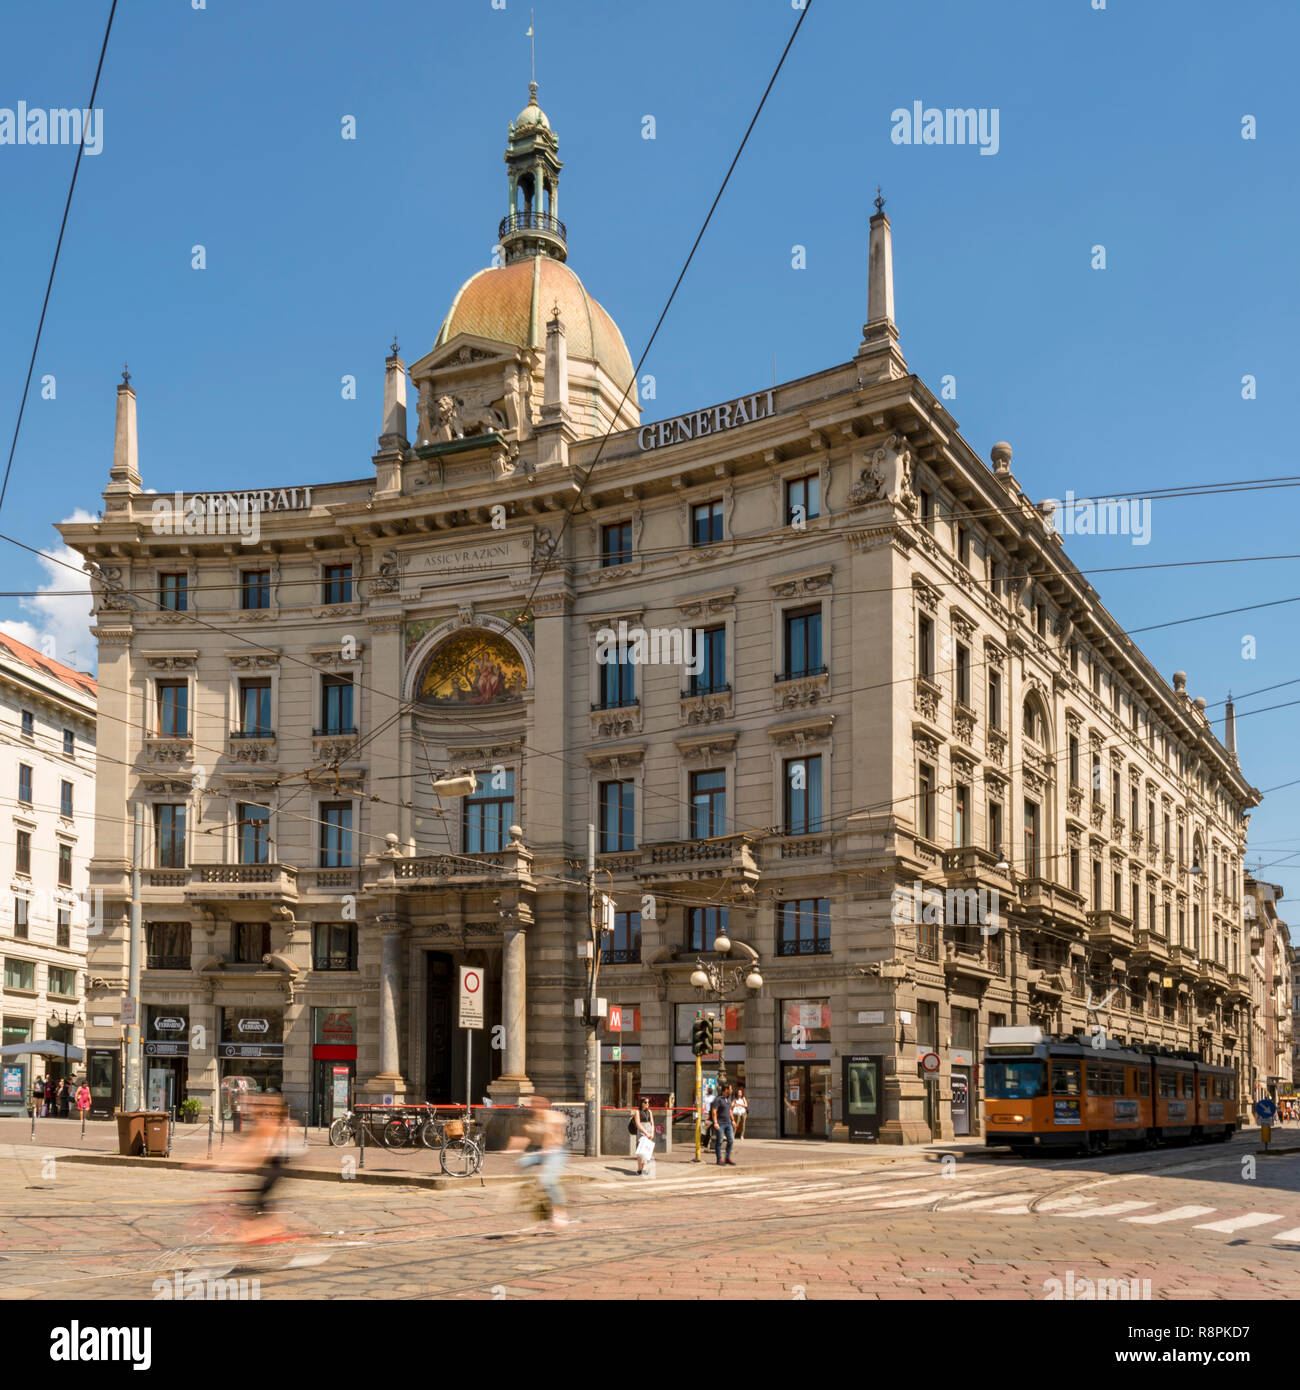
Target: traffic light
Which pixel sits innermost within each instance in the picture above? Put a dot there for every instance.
(699, 1045)
(709, 1043)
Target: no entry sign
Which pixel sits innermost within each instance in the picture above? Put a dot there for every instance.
(471, 997)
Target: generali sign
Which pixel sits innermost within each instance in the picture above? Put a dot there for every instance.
(744, 410)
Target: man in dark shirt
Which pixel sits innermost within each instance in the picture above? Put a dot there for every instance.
(720, 1114)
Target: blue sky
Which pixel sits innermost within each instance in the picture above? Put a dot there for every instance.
(1119, 127)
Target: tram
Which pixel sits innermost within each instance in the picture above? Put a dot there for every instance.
(1045, 1093)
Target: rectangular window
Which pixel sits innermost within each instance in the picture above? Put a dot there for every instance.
(336, 584)
(63, 927)
(255, 707)
(65, 865)
(995, 700)
(1133, 810)
(1151, 824)
(1115, 803)
(489, 813)
(334, 946)
(704, 924)
(927, 1024)
(708, 804)
(1031, 838)
(925, 800)
(20, 974)
(1116, 892)
(173, 593)
(61, 981)
(65, 800)
(617, 682)
(1096, 885)
(711, 651)
(617, 817)
(961, 816)
(1135, 904)
(963, 546)
(1076, 879)
(805, 927)
(803, 642)
(1165, 916)
(336, 714)
(169, 835)
(1096, 779)
(21, 906)
(1096, 675)
(24, 784)
(802, 500)
(254, 833)
(1074, 760)
(1074, 658)
(23, 852)
(250, 941)
(1151, 912)
(255, 589)
(173, 709)
(1040, 618)
(616, 544)
(69, 744)
(1067, 1078)
(706, 523)
(336, 835)
(995, 828)
(924, 647)
(623, 945)
(963, 675)
(927, 508)
(803, 795)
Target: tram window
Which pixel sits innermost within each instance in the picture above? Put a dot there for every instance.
(1188, 1092)
(1168, 1083)
(1066, 1079)
(1013, 1080)
(1117, 1081)
(1144, 1083)
(1094, 1079)
(1204, 1080)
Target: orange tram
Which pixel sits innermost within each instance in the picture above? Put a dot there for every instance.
(1066, 1093)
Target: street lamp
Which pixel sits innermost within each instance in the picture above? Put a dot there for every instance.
(65, 1019)
(717, 981)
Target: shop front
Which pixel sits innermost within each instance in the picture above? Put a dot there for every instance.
(334, 1062)
(166, 1055)
(805, 1060)
(620, 1057)
(250, 1050)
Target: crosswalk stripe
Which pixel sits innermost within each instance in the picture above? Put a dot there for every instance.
(1177, 1214)
(1065, 1203)
(1113, 1210)
(869, 1194)
(799, 1190)
(1292, 1234)
(930, 1196)
(1238, 1223)
(996, 1204)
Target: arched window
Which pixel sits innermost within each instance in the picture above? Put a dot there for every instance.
(1033, 721)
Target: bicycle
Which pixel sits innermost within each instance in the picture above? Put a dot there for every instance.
(460, 1154)
(344, 1130)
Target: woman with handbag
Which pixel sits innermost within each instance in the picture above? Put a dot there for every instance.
(642, 1124)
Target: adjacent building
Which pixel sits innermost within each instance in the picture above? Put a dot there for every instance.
(1272, 967)
(47, 785)
(801, 657)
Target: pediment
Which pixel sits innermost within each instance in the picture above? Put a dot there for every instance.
(466, 351)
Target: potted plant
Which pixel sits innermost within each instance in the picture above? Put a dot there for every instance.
(189, 1110)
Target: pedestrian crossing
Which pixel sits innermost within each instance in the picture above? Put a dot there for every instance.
(947, 1193)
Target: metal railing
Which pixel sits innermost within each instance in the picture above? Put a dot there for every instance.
(532, 222)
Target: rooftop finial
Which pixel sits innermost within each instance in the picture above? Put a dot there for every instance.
(880, 202)
(396, 349)
(126, 375)
(532, 86)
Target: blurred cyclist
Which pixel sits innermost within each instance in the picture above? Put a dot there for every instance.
(546, 1129)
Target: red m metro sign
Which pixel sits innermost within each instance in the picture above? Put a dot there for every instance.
(614, 1023)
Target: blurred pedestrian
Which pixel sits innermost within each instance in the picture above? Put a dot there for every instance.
(51, 1096)
(545, 1129)
(37, 1105)
(83, 1098)
(645, 1142)
(65, 1098)
(720, 1114)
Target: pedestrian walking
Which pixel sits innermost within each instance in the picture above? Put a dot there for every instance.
(65, 1098)
(739, 1109)
(545, 1128)
(38, 1098)
(645, 1142)
(83, 1098)
(720, 1113)
(51, 1097)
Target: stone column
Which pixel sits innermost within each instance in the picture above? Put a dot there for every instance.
(388, 1080)
(513, 1082)
(513, 964)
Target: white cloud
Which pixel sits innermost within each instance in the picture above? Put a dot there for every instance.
(57, 621)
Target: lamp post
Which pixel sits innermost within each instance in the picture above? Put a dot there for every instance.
(715, 980)
(65, 1019)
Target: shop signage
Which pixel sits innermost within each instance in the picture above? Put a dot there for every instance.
(166, 1049)
(252, 1049)
(614, 1024)
(477, 557)
(744, 410)
(338, 1027)
(871, 1015)
(285, 499)
(169, 1025)
(254, 1025)
(616, 1054)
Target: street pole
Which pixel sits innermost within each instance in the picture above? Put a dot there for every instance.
(699, 1081)
(592, 1095)
(133, 1099)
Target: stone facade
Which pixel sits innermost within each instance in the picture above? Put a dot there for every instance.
(1272, 966)
(894, 622)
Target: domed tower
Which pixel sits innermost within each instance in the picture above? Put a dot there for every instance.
(525, 351)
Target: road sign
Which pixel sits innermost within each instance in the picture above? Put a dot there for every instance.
(614, 1024)
(617, 1054)
(128, 1010)
(1266, 1109)
(471, 997)
(930, 1063)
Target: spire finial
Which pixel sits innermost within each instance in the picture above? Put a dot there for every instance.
(396, 349)
(532, 37)
(126, 375)
(880, 202)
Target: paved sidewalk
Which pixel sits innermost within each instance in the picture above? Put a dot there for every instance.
(317, 1158)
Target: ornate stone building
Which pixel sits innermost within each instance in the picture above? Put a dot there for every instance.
(897, 679)
(1272, 961)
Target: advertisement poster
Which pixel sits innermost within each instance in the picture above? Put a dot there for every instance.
(1126, 1110)
(12, 1085)
(340, 1077)
(1177, 1109)
(1067, 1112)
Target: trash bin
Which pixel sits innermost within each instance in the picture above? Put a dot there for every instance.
(130, 1131)
(155, 1133)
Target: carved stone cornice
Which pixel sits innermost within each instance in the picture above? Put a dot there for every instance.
(802, 732)
(552, 605)
(801, 692)
(708, 748)
(804, 585)
(113, 636)
(171, 661)
(708, 605)
(926, 595)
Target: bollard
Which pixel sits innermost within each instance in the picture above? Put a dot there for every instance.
(361, 1141)
(304, 1129)
(223, 1126)
(211, 1123)
(33, 1134)
(83, 1124)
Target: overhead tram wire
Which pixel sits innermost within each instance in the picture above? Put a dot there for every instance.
(58, 247)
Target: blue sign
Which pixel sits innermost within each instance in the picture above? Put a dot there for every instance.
(1265, 1109)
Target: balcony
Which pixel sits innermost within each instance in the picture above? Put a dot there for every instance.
(1040, 897)
(521, 221)
(971, 959)
(1151, 946)
(243, 882)
(706, 704)
(1213, 973)
(1184, 961)
(1238, 985)
(451, 871)
(971, 864)
(616, 718)
(251, 746)
(1110, 930)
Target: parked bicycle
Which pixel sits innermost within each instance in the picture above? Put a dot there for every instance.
(460, 1153)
